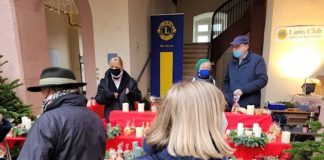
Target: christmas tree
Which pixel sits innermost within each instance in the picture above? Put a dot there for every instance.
(10, 105)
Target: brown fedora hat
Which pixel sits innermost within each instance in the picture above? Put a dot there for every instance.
(56, 77)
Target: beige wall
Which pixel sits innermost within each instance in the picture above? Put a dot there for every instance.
(64, 39)
(139, 35)
(123, 27)
(111, 32)
(57, 33)
(282, 56)
(24, 43)
(192, 8)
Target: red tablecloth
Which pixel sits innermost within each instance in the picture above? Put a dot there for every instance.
(271, 149)
(121, 118)
(98, 109)
(263, 120)
(12, 140)
(127, 140)
(275, 148)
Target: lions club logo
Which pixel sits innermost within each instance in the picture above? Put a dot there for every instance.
(282, 34)
(166, 30)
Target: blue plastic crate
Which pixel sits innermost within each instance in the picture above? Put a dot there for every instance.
(276, 106)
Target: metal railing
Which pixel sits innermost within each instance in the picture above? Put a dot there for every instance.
(226, 15)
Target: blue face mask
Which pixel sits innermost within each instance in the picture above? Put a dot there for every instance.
(204, 73)
(237, 53)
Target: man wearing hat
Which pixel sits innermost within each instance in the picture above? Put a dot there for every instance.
(246, 75)
(203, 71)
(67, 129)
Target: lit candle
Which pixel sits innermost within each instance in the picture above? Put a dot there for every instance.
(125, 107)
(250, 110)
(257, 132)
(285, 137)
(140, 107)
(139, 132)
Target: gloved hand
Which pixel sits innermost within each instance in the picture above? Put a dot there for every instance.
(238, 92)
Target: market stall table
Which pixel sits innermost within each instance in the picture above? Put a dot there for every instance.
(264, 121)
(275, 148)
(121, 118)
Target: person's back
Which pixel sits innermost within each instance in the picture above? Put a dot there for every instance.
(189, 124)
(5, 127)
(70, 131)
(67, 129)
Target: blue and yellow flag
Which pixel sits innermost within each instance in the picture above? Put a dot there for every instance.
(166, 50)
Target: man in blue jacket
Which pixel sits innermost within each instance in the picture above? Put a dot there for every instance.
(246, 75)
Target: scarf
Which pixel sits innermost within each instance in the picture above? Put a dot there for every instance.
(57, 95)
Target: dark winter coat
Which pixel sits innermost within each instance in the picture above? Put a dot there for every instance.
(67, 130)
(5, 127)
(250, 76)
(107, 87)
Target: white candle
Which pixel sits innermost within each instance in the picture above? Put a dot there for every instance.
(28, 124)
(23, 120)
(93, 102)
(89, 104)
(285, 137)
(255, 126)
(257, 132)
(240, 131)
(125, 107)
(140, 107)
(240, 125)
(250, 110)
(139, 132)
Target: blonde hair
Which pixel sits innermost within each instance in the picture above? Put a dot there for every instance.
(116, 59)
(189, 122)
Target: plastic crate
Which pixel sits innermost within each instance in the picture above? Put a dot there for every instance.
(276, 106)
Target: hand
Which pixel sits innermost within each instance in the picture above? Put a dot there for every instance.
(238, 92)
(116, 95)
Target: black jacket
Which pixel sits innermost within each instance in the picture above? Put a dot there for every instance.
(66, 130)
(106, 89)
(5, 127)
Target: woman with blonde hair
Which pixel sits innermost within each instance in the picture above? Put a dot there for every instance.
(189, 124)
(117, 87)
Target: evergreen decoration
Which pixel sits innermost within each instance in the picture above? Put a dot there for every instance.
(10, 105)
(248, 141)
(313, 150)
(112, 132)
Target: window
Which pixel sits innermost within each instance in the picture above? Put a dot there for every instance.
(203, 28)
(202, 39)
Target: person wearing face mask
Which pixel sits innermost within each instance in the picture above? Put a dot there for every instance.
(203, 71)
(116, 88)
(246, 75)
(66, 129)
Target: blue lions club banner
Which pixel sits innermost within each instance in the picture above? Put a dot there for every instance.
(166, 50)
